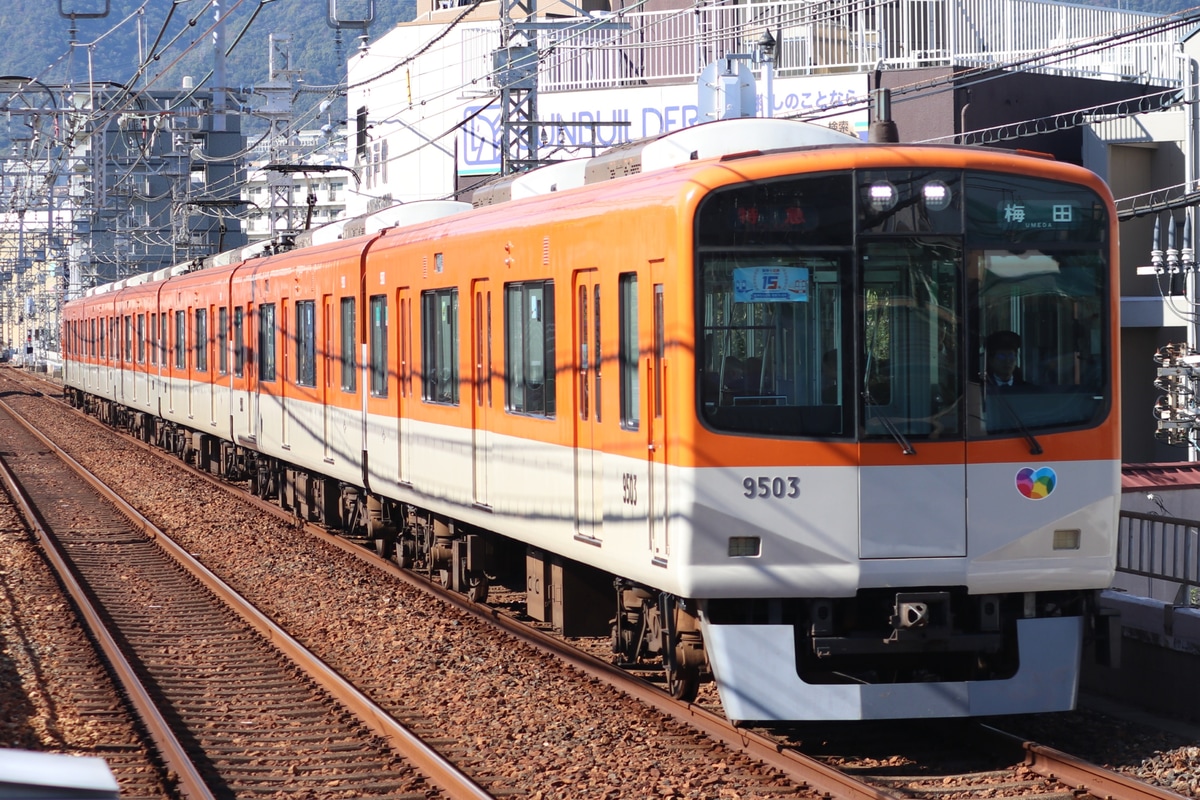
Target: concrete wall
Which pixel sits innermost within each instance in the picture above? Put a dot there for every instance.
(1160, 656)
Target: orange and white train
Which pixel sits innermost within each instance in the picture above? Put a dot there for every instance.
(732, 407)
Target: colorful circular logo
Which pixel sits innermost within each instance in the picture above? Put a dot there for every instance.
(1036, 483)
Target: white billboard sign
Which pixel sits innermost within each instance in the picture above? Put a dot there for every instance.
(586, 116)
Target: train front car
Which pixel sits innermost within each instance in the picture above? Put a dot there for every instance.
(907, 470)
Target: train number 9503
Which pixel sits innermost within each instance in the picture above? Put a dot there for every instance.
(629, 489)
(771, 487)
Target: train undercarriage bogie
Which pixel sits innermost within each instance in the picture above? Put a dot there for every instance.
(380, 519)
(418, 540)
(656, 625)
(170, 438)
(444, 550)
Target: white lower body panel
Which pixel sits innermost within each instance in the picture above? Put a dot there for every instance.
(755, 669)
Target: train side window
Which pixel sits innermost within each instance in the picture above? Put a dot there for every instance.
(201, 339)
(529, 358)
(439, 346)
(223, 340)
(181, 340)
(585, 360)
(266, 342)
(659, 349)
(306, 343)
(349, 345)
(379, 343)
(103, 351)
(239, 343)
(92, 339)
(596, 360)
(141, 338)
(153, 343)
(627, 352)
(589, 356)
(162, 339)
(128, 354)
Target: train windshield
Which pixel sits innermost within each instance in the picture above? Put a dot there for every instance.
(926, 304)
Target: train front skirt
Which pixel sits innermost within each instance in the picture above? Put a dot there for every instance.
(755, 668)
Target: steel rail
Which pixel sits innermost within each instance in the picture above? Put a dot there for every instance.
(1080, 775)
(188, 779)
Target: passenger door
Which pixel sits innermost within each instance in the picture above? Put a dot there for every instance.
(589, 466)
(404, 381)
(656, 426)
(327, 359)
(285, 374)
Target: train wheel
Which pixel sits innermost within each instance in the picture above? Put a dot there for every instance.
(405, 552)
(681, 647)
(683, 683)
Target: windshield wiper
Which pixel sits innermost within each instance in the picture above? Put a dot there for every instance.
(1035, 448)
(889, 426)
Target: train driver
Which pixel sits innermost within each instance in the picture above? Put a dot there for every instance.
(1002, 355)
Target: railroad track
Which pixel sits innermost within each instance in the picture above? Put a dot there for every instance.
(795, 774)
(232, 712)
(74, 706)
(965, 760)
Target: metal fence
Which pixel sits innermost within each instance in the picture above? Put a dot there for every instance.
(855, 36)
(1161, 548)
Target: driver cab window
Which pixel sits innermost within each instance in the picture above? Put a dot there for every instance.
(772, 360)
(1038, 350)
